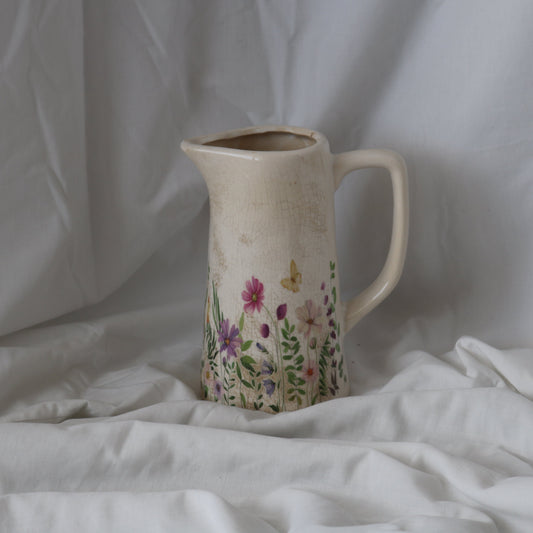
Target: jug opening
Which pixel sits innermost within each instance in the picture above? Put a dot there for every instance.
(269, 141)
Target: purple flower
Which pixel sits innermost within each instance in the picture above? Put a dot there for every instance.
(331, 323)
(334, 363)
(229, 338)
(332, 351)
(281, 311)
(269, 386)
(323, 286)
(326, 299)
(261, 347)
(265, 330)
(333, 335)
(253, 296)
(330, 310)
(267, 368)
(218, 389)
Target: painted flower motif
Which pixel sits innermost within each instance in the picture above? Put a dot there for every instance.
(261, 348)
(332, 351)
(264, 330)
(309, 317)
(253, 296)
(331, 323)
(312, 343)
(218, 389)
(229, 338)
(333, 335)
(326, 299)
(266, 368)
(269, 386)
(209, 376)
(281, 311)
(323, 286)
(310, 372)
(330, 310)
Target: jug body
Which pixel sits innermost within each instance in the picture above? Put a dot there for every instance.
(274, 322)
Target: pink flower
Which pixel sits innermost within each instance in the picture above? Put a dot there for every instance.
(310, 372)
(253, 296)
(309, 317)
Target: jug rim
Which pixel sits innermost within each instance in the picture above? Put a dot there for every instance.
(202, 143)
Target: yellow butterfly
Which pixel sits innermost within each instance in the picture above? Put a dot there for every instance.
(293, 283)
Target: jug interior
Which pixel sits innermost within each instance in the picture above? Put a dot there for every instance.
(268, 141)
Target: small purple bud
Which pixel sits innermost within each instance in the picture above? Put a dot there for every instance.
(224, 361)
(265, 330)
(334, 363)
(326, 298)
(332, 351)
(330, 310)
(333, 335)
(281, 311)
(331, 323)
(323, 286)
(269, 386)
(267, 368)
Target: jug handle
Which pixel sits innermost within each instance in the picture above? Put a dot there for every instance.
(346, 162)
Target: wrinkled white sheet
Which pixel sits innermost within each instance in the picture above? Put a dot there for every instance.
(103, 238)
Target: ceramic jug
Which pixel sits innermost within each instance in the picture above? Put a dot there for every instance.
(274, 320)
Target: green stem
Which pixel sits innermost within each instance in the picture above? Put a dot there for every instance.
(278, 350)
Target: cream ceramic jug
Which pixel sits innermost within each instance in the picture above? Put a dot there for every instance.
(274, 321)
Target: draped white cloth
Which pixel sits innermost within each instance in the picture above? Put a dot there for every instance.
(103, 239)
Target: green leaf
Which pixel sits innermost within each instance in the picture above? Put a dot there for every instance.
(337, 347)
(246, 384)
(313, 401)
(246, 345)
(241, 322)
(238, 369)
(293, 327)
(243, 400)
(290, 391)
(274, 408)
(248, 362)
(334, 293)
(291, 376)
(300, 391)
(286, 322)
(287, 357)
(299, 360)
(285, 334)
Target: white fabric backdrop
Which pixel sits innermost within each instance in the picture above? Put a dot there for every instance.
(103, 238)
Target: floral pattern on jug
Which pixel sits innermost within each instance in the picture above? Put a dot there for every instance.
(294, 357)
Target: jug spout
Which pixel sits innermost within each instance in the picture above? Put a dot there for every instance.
(277, 146)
